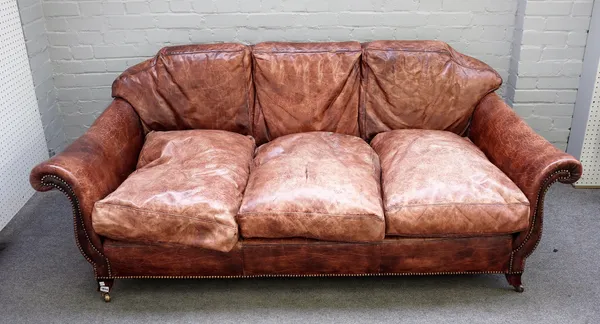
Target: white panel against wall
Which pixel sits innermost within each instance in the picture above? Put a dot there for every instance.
(590, 152)
(584, 141)
(22, 142)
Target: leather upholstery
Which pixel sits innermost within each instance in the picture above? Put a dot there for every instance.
(528, 159)
(427, 255)
(509, 143)
(96, 163)
(192, 87)
(186, 190)
(305, 257)
(420, 85)
(303, 87)
(163, 259)
(318, 185)
(436, 183)
(309, 184)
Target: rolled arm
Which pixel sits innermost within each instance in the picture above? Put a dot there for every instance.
(528, 159)
(92, 167)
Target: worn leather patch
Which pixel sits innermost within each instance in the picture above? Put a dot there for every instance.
(186, 190)
(420, 85)
(317, 185)
(436, 183)
(303, 87)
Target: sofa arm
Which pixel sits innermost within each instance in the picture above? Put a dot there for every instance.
(528, 159)
(92, 167)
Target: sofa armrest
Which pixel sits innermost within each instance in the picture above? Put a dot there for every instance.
(528, 159)
(92, 167)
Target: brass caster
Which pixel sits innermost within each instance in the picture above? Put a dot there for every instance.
(104, 287)
(515, 281)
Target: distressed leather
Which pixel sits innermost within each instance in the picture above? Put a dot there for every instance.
(420, 85)
(204, 86)
(186, 190)
(319, 185)
(530, 161)
(436, 183)
(164, 259)
(303, 87)
(456, 254)
(298, 257)
(96, 164)
(515, 148)
(307, 186)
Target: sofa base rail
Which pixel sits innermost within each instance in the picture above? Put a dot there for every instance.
(314, 275)
(298, 258)
(105, 284)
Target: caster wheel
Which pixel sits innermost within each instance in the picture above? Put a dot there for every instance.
(519, 288)
(106, 297)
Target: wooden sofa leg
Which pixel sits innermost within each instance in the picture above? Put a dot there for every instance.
(515, 281)
(105, 286)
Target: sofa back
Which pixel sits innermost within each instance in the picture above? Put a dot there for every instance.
(422, 85)
(192, 87)
(302, 87)
(274, 89)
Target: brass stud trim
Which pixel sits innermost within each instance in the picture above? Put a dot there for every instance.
(68, 191)
(314, 275)
(539, 210)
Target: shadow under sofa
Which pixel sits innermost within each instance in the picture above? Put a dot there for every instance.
(307, 159)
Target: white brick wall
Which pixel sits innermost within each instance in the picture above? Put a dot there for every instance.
(544, 79)
(92, 41)
(34, 30)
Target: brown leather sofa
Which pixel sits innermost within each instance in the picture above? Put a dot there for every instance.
(314, 159)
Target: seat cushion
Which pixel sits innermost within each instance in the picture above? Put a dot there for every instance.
(420, 85)
(187, 190)
(303, 87)
(201, 86)
(436, 183)
(316, 185)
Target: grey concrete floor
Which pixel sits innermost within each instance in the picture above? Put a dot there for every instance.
(44, 279)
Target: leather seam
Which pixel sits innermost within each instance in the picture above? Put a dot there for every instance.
(452, 58)
(391, 209)
(366, 92)
(164, 214)
(247, 88)
(317, 242)
(126, 74)
(201, 52)
(456, 235)
(307, 52)
(276, 214)
(155, 60)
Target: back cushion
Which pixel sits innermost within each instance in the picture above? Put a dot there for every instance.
(420, 84)
(302, 87)
(192, 87)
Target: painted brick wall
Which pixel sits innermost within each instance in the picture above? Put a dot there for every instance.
(36, 40)
(549, 44)
(91, 42)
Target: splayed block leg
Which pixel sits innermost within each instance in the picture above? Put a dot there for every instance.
(104, 287)
(515, 281)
